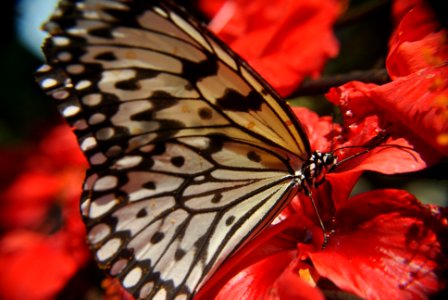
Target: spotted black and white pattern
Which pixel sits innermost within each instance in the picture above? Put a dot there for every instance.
(191, 152)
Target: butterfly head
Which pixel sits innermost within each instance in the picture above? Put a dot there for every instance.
(313, 170)
(328, 159)
(323, 163)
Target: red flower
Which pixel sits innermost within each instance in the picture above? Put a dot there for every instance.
(414, 106)
(37, 266)
(366, 116)
(44, 244)
(418, 43)
(285, 43)
(364, 122)
(113, 290)
(384, 245)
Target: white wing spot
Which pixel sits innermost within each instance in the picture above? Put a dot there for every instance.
(199, 178)
(108, 249)
(48, 83)
(161, 294)
(88, 183)
(71, 110)
(97, 158)
(88, 143)
(201, 143)
(118, 35)
(57, 12)
(92, 99)
(77, 31)
(105, 133)
(102, 205)
(90, 14)
(105, 183)
(44, 68)
(160, 11)
(81, 124)
(75, 69)
(114, 151)
(98, 233)
(97, 118)
(146, 289)
(68, 82)
(60, 95)
(118, 266)
(64, 56)
(81, 6)
(127, 162)
(85, 207)
(133, 277)
(83, 84)
(147, 148)
(60, 41)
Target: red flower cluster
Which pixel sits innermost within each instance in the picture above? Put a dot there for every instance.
(383, 244)
(415, 103)
(44, 241)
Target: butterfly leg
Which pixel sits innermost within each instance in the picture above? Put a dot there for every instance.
(326, 235)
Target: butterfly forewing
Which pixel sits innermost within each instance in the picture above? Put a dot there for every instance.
(191, 152)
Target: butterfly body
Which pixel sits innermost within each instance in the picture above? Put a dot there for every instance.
(313, 171)
(191, 152)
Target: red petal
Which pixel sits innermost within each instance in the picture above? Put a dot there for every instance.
(50, 174)
(289, 286)
(401, 7)
(255, 281)
(61, 150)
(113, 290)
(366, 115)
(271, 277)
(26, 202)
(210, 7)
(420, 102)
(37, 267)
(417, 43)
(255, 267)
(319, 129)
(386, 245)
(285, 43)
(342, 183)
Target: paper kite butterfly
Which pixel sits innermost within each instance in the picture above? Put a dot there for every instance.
(191, 152)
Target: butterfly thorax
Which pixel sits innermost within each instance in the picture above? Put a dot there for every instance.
(313, 170)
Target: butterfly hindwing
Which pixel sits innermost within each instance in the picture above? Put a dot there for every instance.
(191, 152)
(178, 223)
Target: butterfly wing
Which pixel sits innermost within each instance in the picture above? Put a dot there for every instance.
(191, 152)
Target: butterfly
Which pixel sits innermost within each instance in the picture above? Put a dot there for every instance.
(191, 152)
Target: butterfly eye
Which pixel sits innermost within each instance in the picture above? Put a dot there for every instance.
(329, 159)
